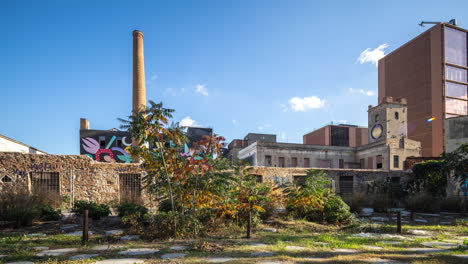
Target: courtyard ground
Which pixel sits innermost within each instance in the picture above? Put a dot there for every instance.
(279, 241)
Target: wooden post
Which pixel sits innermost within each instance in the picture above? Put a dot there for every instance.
(85, 226)
(399, 222)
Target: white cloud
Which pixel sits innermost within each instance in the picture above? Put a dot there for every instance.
(362, 91)
(201, 89)
(372, 55)
(188, 122)
(234, 122)
(306, 103)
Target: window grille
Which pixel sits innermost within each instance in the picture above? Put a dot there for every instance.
(346, 184)
(46, 184)
(130, 187)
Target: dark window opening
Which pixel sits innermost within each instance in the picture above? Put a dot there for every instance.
(7, 179)
(396, 115)
(339, 136)
(362, 163)
(396, 161)
(102, 142)
(130, 187)
(299, 180)
(281, 162)
(294, 162)
(377, 117)
(306, 162)
(341, 164)
(267, 160)
(346, 184)
(379, 161)
(258, 178)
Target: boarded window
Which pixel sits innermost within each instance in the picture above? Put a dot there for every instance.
(281, 162)
(341, 164)
(267, 160)
(46, 184)
(306, 162)
(346, 184)
(130, 187)
(361, 162)
(324, 163)
(294, 162)
(370, 163)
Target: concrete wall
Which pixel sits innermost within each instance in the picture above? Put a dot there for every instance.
(456, 132)
(93, 181)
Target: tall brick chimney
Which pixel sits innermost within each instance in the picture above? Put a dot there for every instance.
(139, 87)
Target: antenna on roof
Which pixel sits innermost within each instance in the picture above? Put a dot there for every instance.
(452, 21)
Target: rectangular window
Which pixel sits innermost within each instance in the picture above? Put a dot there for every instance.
(258, 178)
(341, 164)
(361, 162)
(294, 162)
(102, 142)
(379, 161)
(455, 74)
(370, 163)
(346, 184)
(267, 160)
(454, 106)
(46, 184)
(396, 161)
(281, 162)
(455, 46)
(456, 90)
(306, 163)
(130, 187)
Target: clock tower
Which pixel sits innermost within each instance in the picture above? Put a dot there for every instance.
(388, 120)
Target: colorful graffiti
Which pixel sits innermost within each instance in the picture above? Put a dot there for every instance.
(107, 154)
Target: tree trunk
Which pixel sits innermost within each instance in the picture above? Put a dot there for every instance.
(249, 222)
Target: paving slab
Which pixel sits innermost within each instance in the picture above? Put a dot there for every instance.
(322, 244)
(367, 211)
(438, 244)
(56, 252)
(138, 251)
(373, 247)
(120, 261)
(83, 256)
(173, 255)
(107, 247)
(424, 221)
(36, 235)
(257, 245)
(178, 247)
(382, 261)
(461, 256)
(379, 219)
(78, 233)
(427, 250)
(270, 229)
(418, 232)
(345, 250)
(262, 254)
(220, 260)
(116, 232)
(40, 248)
(390, 242)
(295, 248)
(130, 237)
(68, 227)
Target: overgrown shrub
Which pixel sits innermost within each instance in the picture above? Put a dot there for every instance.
(96, 211)
(314, 201)
(454, 205)
(165, 206)
(126, 209)
(423, 202)
(48, 213)
(160, 226)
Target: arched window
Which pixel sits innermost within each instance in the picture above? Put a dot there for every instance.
(397, 115)
(7, 179)
(376, 118)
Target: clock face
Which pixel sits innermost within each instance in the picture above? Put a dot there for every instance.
(376, 131)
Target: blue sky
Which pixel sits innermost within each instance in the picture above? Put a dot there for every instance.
(282, 67)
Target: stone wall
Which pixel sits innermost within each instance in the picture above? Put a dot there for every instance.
(80, 177)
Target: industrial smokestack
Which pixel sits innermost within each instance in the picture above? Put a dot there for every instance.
(139, 87)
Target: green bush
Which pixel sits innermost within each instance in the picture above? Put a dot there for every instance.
(126, 209)
(96, 211)
(18, 205)
(336, 211)
(165, 206)
(454, 205)
(48, 213)
(160, 226)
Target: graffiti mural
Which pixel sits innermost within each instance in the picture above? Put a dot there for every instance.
(108, 153)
